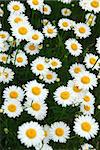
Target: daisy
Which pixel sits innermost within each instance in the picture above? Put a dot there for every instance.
(36, 108)
(86, 146)
(31, 49)
(86, 80)
(82, 30)
(91, 61)
(1, 73)
(35, 4)
(4, 58)
(86, 126)
(65, 24)
(46, 9)
(13, 93)
(88, 98)
(66, 12)
(39, 66)
(74, 47)
(50, 77)
(36, 37)
(4, 47)
(63, 96)
(35, 90)
(94, 5)
(8, 75)
(22, 31)
(50, 31)
(98, 45)
(20, 60)
(55, 63)
(90, 19)
(12, 108)
(30, 134)
(16, 7)
(76, 69)
(87, 109)
(59, 132)
(46, 129)
(4, 35)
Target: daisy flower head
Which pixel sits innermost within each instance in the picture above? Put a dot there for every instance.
(50, 31)
(4, 35)
(88, 98)
(98, 45)
(46, 9)
(63, 96)
(13, 92)
(35, 4)
(74, 47)
(86, 126)
(82, 30)
(31, 49)
(66, 12)
(16, 7)
(4, 47)
(36, 108)
(4, 58)
(12, 108)
(59, 132)
(36, 91)
(1, 73)
(90, 19)
(36, 37)
(30, 134)
(76, 69)
(94, 5)
(92, 61)
(22, 31)
(86, 146)
(55, 63)
(86, 80)
(39, 66)
(46, 129)
(65, 24)
(87, 109)
(8, 75)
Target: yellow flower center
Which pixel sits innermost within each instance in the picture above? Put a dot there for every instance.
(92, 60)
(12, 108)
(65, 95)
(16, 7)
(2, 36)
(31, 133)
(76, 89)
(86, 98)
(65, 24)
(77, 70)
(50, 31)
(22, 30)
(35, 37)
(85, 80)
(82, 30)
(65, 12)
(86, 126)
(4, 58)
(36, 90)
(45, 9)
(13, 94)
(6, 74)
(35, 2)
(45, 133)
(59, 132)
(17, 20)
(86, 107)
(74, 46)
(95, 4)
(19, 59)
(36, 106)
(54, 63)
(49, 76)
(32, 47)
(40, 67)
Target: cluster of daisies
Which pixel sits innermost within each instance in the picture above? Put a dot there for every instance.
(31, 97)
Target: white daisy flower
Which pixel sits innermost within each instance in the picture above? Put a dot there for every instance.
(46, 129)
(90, 19)
(4, 58)
(8, 75)
(88, 98)
(63, 96)
(94, 5)
(39, 66)
(31, 49)
(86, 146)
(30, 134)
(4, 47)
(86, 126)
(59, 132)
(46, 9)
(86, 80)
(36, 37)
(74, 47)
(35, 90)
(87, 109)
(1, 73)
(55, 63)
(82, 30)
(66, 12)
(36, 108)
(35, 4)
(20, 60)
(91, 61)
(12, 108)
(76, 69)
(50, 31)
(13, 92)
(16, 7)
(4, 35)
(98, 45)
